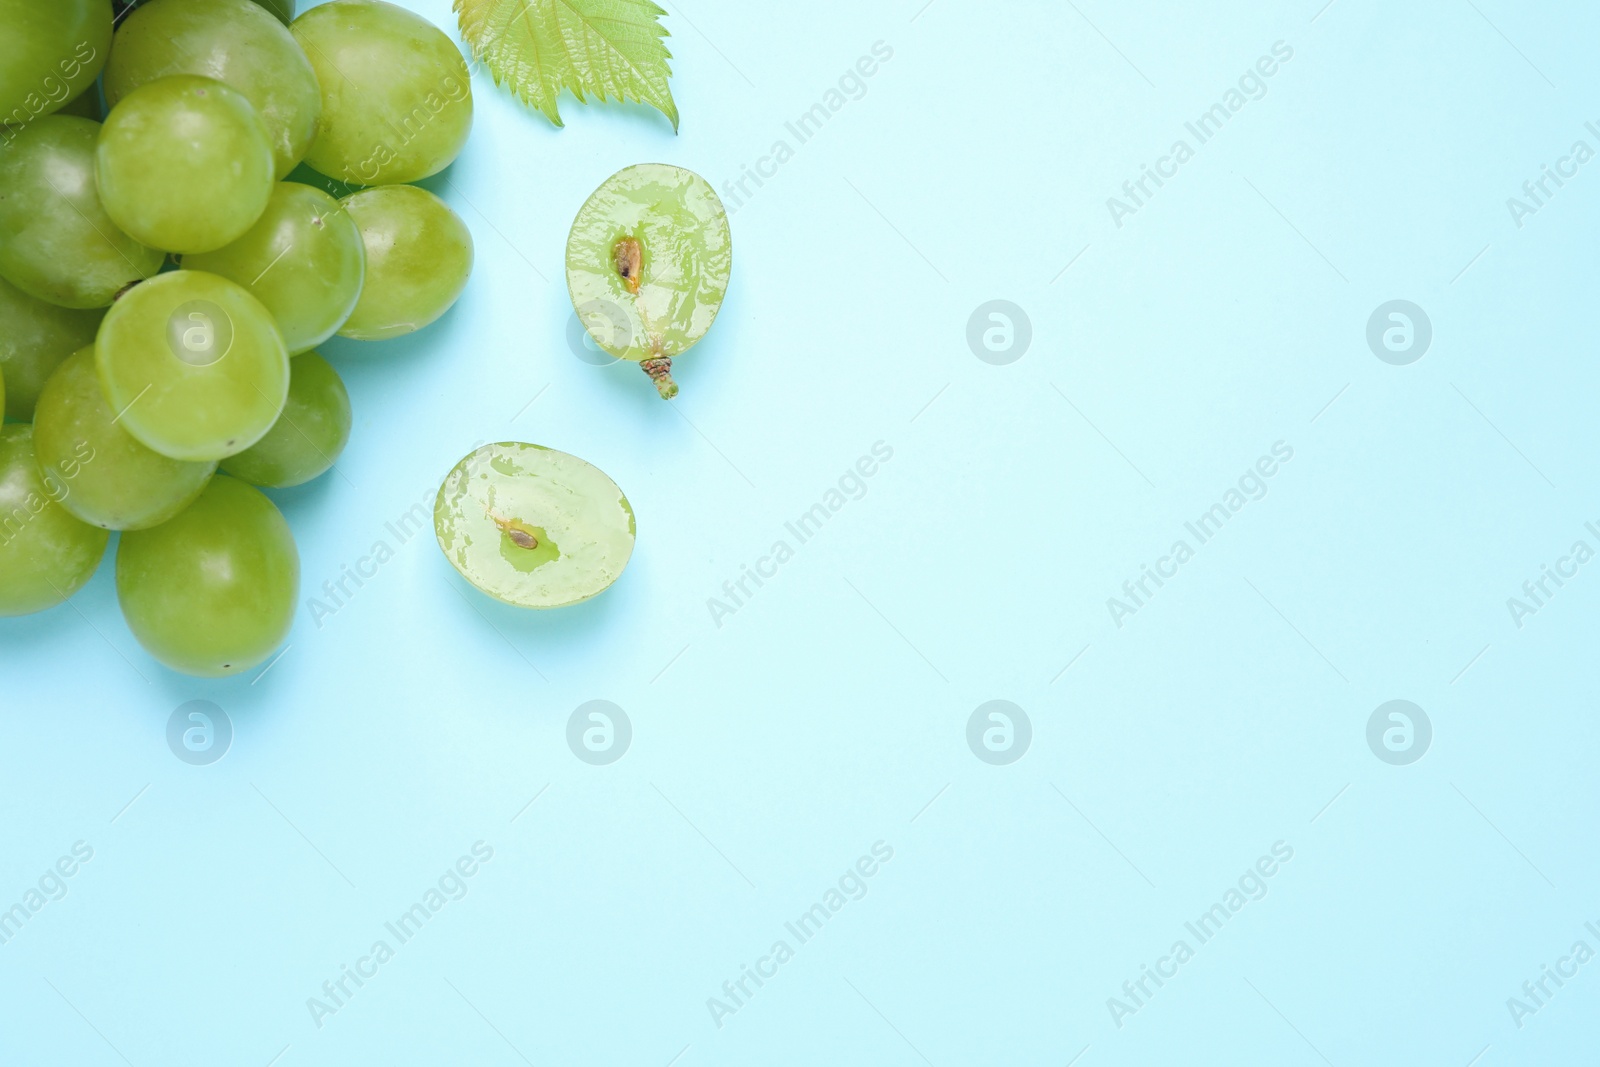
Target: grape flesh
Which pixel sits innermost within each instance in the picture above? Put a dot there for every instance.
(212, 592)
(648, 261)
(238, 43)
(46, 555)
(57, 244)
(193, 364)
(184, 164)
(303, 259)
(50, 52)
(532, 526)
(309, 435)
(111, 480)
(419, 255)
(34, 338)
(396, 94)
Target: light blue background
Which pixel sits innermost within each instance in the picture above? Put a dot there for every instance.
(830, 712)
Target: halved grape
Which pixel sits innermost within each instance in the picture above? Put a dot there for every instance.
(184, 164)
(648, 261)
(111, 479)
(193, 365)
(396, 95)
(238, 43)
(309, 435)
(419, 255)
(51, 51)
(212, 592)
(34, 338)
(57, 243)
(46, 555)
(303, 259)
(532, 526)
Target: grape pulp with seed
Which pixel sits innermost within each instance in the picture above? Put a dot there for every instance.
(532, 526)
(648, 261)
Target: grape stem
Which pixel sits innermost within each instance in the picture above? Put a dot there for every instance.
(660, 371)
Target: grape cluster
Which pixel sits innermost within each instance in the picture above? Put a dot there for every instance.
(167, 271)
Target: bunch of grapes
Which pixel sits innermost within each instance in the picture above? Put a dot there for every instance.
(167, 272)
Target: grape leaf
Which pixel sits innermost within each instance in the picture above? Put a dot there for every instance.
(611, 49)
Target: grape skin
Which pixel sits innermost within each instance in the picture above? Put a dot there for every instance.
(396, 93)
(184, 164)
(238, 43)
(307, 438)
(212, 592)
(114, 481)
(419, 256)
(51, 51)
(57, 244)
(165, 371)
(35, 338)
(303, 259)
(46, 555)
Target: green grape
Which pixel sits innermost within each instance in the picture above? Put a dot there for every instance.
(57, 243)
(532, 526)
(50, 51)
(46, 555)
(396, 95)
(34, 338)
(309, 435)
(184, 164)
(193, 364)
(303, 259)
(419, 255)
(648, 261)
(234, 41)
(2, 392)
(211, 592)
(112, 480)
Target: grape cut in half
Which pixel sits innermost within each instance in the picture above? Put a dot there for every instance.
(648, 261)
(532, 526)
